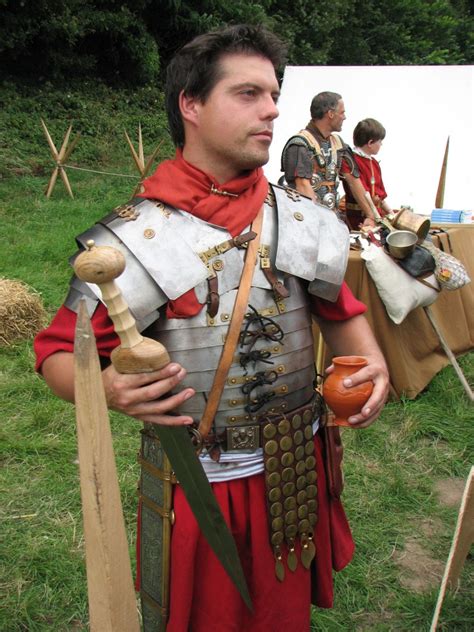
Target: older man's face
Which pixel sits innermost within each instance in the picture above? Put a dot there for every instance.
(337, 116)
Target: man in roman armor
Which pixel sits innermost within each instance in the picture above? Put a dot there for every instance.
(316, 158)
(185, 238)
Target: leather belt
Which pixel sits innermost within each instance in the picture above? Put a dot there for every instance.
(249, 437)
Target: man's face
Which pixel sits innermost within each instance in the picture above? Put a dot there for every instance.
(337, 116)
(232, 130)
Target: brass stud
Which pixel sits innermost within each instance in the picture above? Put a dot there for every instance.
(286, 443)
(290, 531)
(269, 431)
(298, 216)
(311, 476)
(274, 494)
(307, 416)
(309, 448)
(301, 497)
(313, 519)
(301, 482)
(303, 525)
(288, 474)
(272, 464)
(218, 265)
(299, 453)
(276, 509)
(277, 538)
(312, 505)
(300, 468)
(277, 524)
(296, 422)
(271, 447)
(311, 491)
(284, 426)
(287, 459)
(302, 511)
(289, 489)
(273, 479)
(225, 317)
(149, 233)
(310, 463)
(290, 517)
(298, 437)
(289, 503)
(308, 432)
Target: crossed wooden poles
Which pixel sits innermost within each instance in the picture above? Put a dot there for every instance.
(60, 157)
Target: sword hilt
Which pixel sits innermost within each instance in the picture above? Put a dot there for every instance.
(136, 354)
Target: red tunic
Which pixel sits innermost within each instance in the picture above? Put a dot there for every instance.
(371, 179)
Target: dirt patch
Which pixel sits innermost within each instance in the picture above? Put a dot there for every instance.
(419, 571)
(450, 491)
(431, 527)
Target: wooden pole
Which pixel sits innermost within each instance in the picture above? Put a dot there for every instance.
(112, 601)
(462, 542)
(439, 201)
(449, 353)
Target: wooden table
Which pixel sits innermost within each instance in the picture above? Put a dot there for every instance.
(412, 349)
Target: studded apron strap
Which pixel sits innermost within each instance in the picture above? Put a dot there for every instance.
(233, 334)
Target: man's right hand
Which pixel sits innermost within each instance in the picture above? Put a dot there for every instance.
(141, 395)
(145, 395)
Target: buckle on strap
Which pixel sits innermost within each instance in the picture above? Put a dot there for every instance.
(243, 438)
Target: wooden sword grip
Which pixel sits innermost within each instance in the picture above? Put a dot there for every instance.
(136, 354)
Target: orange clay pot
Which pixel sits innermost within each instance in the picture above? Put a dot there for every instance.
(345, 402)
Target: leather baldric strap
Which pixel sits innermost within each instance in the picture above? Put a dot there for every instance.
(240, 308)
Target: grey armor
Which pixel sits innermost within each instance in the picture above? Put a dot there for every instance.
(169, 252)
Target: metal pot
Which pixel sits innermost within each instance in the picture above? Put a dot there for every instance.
(401, 243)
(407, 220)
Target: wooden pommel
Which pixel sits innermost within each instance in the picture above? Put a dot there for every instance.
(136, 354)
(99, 264)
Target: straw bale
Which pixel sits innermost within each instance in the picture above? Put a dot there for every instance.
(22, 313)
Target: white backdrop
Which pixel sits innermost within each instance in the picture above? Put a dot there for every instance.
(419, 106)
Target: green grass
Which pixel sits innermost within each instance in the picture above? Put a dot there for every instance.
(391, 469)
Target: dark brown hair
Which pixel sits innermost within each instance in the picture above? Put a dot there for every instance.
(368, 129)
(195, 68)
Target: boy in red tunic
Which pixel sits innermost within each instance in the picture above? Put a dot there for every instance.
(368, 137)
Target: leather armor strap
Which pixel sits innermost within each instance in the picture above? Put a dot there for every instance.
(233, 334)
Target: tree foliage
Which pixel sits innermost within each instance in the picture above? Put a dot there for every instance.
(128, 41)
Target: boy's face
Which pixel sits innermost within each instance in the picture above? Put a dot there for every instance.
(232, 130)
(373, 147)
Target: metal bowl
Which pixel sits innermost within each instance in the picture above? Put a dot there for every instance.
(401, 243)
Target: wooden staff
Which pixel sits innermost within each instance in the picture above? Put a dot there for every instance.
(439, 202)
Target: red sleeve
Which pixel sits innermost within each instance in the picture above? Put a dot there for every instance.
(346, 306)
(59, 336)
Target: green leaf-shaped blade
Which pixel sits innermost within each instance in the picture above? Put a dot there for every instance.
(180, 451)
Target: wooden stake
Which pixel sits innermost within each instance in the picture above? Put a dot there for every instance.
(439, 202)
(142, 166)
(60, 158)
(112, 601)
(449, 353)
(462, 542)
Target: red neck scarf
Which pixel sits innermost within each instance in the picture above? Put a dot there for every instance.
(180, 184)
